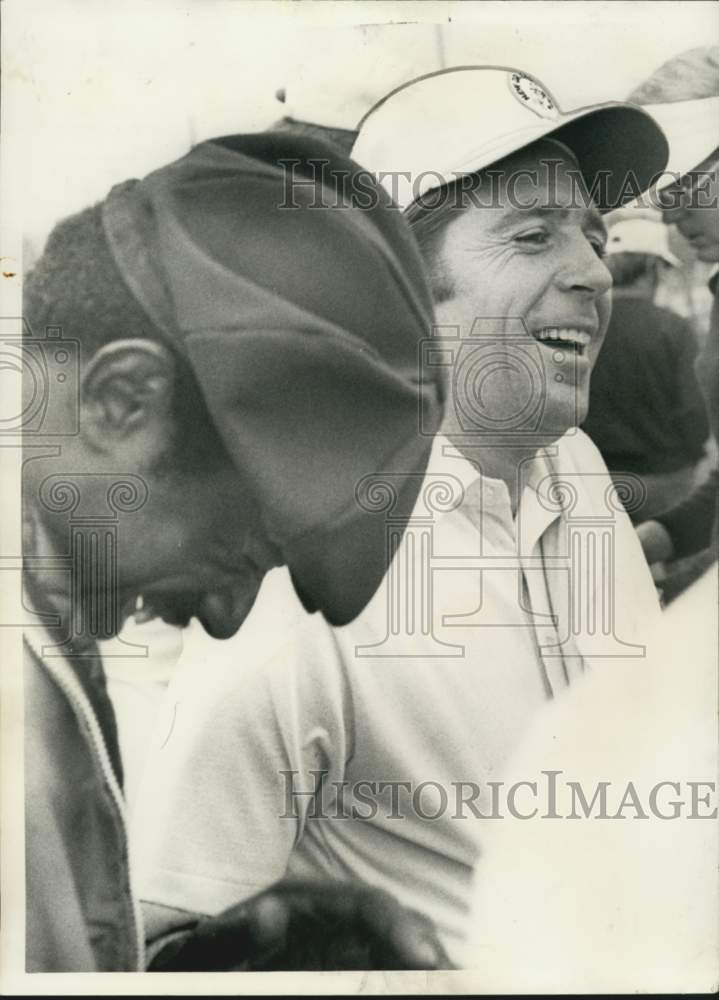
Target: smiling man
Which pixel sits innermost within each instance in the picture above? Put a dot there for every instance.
(524, 278)
(232, 383)
(363, 751)
(603, 907)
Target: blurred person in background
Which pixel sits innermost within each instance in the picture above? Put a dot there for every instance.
(683, 95)
(691, 526)
(647, 414)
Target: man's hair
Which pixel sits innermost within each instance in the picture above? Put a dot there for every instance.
(430, 215)
(77, 286)
(628, 268)
(429, 223)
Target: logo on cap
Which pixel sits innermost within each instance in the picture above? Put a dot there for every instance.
(528, 92)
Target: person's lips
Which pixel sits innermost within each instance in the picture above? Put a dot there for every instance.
(221, 610)
(174, 609)
(567, 337)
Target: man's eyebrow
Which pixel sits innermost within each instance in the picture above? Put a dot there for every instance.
(592, 215)
(595, 219)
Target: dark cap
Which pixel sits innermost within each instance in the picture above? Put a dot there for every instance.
(302, 326)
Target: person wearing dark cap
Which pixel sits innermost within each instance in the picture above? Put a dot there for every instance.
(216, 404)
(347, 748)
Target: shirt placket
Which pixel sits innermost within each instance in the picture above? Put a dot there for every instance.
(547, 583)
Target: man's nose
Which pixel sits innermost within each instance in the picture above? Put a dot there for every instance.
(584, 271)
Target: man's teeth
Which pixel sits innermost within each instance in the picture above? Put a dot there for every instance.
(567, 333)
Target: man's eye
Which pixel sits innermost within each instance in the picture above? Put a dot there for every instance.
(538, 237)
(600, 248)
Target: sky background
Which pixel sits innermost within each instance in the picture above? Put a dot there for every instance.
(95, 93)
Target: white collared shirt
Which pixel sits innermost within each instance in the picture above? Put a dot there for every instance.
(436, 681)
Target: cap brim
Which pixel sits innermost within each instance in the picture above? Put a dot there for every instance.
(337, 571)
(311, 385)
(441, 126)
(621, 151)
(692, 128)
(620, 148)
(666, 255)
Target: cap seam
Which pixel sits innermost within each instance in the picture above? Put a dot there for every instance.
(354, 222)
(445, 72)
(326, 329)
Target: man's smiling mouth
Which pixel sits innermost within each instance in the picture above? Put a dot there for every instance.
(563, 338)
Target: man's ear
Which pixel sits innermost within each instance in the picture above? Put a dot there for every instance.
(127, 387)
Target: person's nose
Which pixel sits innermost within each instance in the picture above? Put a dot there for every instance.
(672, 216)
(584, 271)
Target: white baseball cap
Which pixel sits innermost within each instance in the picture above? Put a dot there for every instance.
(457, 121)
(692, 128)
(641, 236)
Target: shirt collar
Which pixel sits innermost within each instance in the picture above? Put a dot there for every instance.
(537, 507)
(539, 504)
(447, 460)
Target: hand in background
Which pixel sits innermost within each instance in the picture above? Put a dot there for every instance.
(298, 925)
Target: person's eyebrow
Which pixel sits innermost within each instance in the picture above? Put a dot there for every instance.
(595, 220)
(592, 216)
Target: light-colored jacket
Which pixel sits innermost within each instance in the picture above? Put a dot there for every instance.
(80, 912)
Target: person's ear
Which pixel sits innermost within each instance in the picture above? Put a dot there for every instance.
(127, 388)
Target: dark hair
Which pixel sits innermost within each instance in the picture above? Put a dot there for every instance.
(628, 268)
(429, 222)
(430, 215)
(77, 286)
